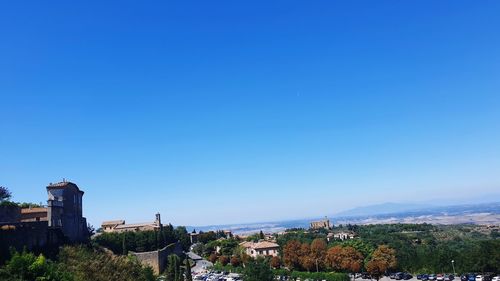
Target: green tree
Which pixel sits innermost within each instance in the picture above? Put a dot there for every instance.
(173, 268)
(5, 194)
(124, 246)
(183, 237)
(189, 277)
(258, 270)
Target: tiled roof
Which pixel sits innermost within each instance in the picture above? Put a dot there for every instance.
(135, 225)
(60, 184)
(63, 184)
(117, 222)
(33, 210)
(259, 245)
(246, 244)
(265, 245)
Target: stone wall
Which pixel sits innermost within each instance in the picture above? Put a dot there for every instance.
(34, 236)
(157, 260)
(10, 214)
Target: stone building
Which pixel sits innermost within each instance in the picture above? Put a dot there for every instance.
(322, 224)
(342, 235)
(261, 248)
(118, 226)
(194, 237)
(60, 222)
(34, 214)
(65, 210)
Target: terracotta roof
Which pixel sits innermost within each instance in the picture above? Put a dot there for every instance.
(117, 222)
(135, 225)
(265, 245)
(246, 244)
(259, 245)
(33, 210)
(63, 184)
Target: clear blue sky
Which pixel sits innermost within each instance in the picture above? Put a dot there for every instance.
(240, 111)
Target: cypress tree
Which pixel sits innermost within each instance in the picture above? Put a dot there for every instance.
(171, 269)
(124, 246)
(189, 277)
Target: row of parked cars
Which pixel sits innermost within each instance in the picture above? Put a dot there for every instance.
(436, 277)
(218, 276)
(401, 276)
(480, 277)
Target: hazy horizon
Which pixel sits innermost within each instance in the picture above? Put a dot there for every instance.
(249, 111)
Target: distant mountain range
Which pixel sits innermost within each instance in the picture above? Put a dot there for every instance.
(483, 213)
(398, 210)
(480, 213)
(385, 208)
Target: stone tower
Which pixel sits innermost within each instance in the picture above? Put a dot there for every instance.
(65, 210)
(158, 219)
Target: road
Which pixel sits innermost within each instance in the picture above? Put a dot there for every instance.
(201, 264)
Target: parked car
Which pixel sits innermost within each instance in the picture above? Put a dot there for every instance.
(449, 277)
(432, 277)
(496, 278)
(440, 277)
(471, 277)
(488, 276)
(425, 277)
(403, 276)
(479, 278)
(392, 275)
(365, 275)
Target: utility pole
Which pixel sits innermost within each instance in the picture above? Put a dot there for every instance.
(453, 265)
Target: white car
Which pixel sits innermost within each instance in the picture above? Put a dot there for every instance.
(479, 278)
(496, 278)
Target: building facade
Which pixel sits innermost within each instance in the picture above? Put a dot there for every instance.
(261, 248)
(343, 235)
(34, 214)
(65, 210)
(322, 224)
(61, 221)
(118, 226)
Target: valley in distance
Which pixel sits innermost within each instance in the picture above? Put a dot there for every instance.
(388, 213)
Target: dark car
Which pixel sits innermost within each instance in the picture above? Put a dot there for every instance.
(464, 277)
(425, 277)
(365, 275)
(488, 276)
(392, 275)
(471, 277)
(403, 276)
(449, 277)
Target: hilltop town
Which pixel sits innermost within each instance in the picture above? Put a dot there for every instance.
(172, 253)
